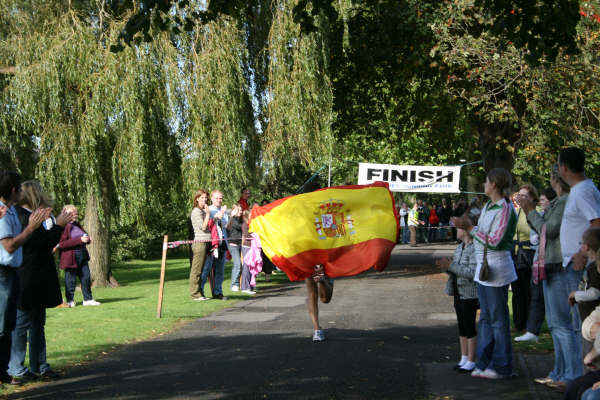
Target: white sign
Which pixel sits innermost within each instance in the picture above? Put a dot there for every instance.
(411, 178)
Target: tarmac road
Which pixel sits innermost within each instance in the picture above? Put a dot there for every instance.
(390, 335)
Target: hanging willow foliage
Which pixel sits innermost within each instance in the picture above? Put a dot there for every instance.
(299, 93)
(218, 134)
(102, 120)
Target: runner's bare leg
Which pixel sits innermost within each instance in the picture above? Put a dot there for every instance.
(325, 290)
(313, 305)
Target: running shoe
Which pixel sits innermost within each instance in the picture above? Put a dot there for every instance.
(318, 336)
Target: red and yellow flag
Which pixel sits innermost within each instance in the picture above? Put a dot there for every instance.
(348, 229)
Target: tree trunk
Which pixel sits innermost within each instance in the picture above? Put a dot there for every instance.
(495, 153)
(99, 247)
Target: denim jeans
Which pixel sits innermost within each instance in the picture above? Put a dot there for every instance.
(237, 265)
(83, 273)
(591, 394)
(29, 322)
(9, 292)
(494, 348)
(405, 234)
(564, 323)
(219, 271)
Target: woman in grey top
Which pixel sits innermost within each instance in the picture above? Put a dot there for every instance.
(199, 219)
(567, 346)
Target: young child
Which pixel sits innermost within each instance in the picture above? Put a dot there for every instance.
(588, 298)
(461, 270)
(589, 330)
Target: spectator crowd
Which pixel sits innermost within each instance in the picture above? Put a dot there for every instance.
(542, 245)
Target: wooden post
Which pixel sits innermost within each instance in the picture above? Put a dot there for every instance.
(161, 286)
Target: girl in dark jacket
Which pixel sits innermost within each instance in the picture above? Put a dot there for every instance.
(74, 259)
(39, 288)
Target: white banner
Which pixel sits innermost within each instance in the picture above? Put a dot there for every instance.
(411, 178)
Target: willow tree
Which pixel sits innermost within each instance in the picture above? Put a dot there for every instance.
(299, 94)
(101, 119)
(217, 132)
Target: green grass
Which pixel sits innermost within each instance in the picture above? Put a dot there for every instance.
(128, 313)
(544, 344)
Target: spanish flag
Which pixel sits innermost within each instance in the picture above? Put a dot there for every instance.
(348, 229)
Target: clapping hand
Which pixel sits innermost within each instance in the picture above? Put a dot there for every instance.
(525, 203)
(579, 261)
(38, 216)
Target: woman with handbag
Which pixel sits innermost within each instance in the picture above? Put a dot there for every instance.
(567, 347)
(495, 271)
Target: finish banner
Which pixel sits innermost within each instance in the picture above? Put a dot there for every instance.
(348, 229)
(411, 178)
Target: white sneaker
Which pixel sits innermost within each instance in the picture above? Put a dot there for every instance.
(235, 288)
(490, 374)
(527, 337)
(71, 304)
(248, 291)
(91, 302)
(476, 373)
(318, 336)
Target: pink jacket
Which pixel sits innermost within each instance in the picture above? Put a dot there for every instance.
(214, 234)
(253, 259)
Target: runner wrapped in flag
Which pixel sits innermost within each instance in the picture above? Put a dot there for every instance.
(347, 229)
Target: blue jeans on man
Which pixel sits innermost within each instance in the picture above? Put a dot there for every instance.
(9, 291)
(219, 270)
(564, 323)
(29, 322)
(494, 348)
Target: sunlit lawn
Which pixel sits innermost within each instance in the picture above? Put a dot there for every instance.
(128, 313)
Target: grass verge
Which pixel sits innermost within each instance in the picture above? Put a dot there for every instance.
(128, 313)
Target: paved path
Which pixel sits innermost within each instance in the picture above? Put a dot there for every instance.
(390, 335)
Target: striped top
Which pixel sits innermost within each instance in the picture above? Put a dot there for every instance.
(498, 223)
